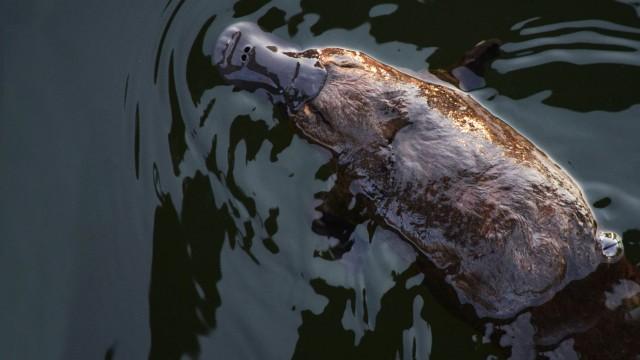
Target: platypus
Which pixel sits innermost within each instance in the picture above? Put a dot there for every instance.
(507, 227)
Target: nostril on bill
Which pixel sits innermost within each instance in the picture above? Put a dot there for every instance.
(256, 61)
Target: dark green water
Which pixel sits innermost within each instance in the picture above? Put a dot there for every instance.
(149, 210)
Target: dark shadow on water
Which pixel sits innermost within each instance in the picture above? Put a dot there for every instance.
(201, 74)
(109, 354)
(177, 140)
(453, 27)
(183, 297)
(163, 37)
(602, 203)
(272, 19)
(246, 7)
(323, 336)
(136, 142)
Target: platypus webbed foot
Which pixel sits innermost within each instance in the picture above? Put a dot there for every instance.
(468, 73)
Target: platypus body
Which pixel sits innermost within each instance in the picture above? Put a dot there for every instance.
(507, 227)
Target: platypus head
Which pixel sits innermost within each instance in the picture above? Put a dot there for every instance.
(341, 99)
(361, 106)
(253, 60)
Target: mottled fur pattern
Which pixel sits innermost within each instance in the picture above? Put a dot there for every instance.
(506, 224)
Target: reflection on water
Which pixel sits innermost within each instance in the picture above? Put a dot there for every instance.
(315, 278)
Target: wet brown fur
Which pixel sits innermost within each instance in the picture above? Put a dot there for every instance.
(504, 222)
